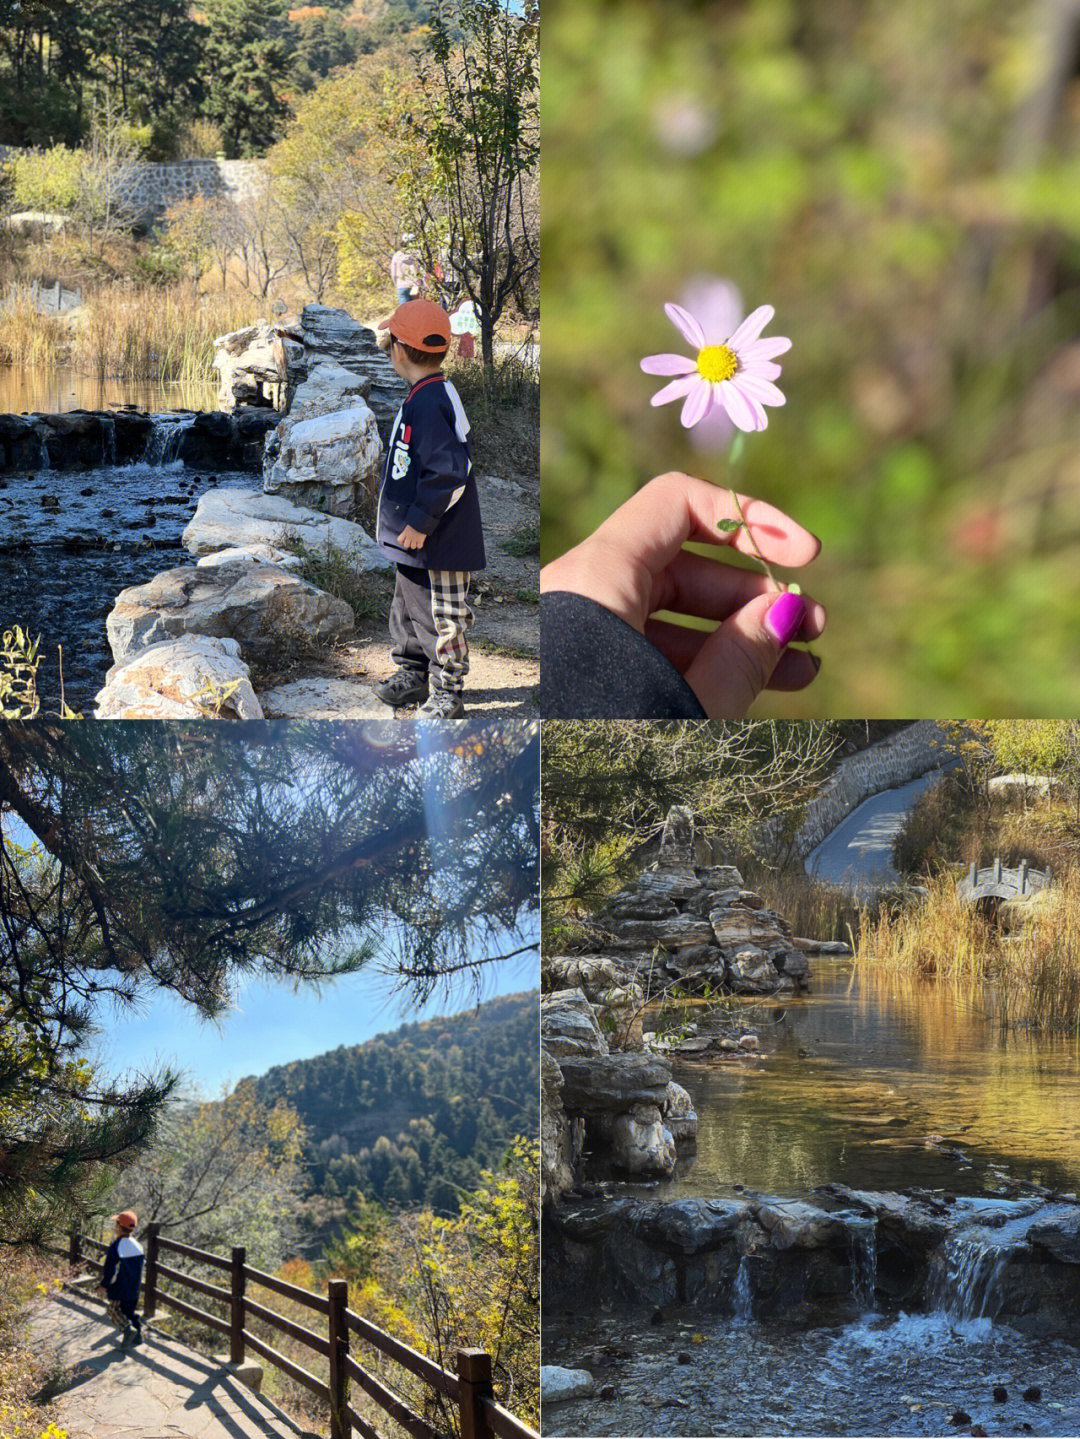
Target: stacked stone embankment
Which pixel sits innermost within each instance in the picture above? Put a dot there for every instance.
(677, 924)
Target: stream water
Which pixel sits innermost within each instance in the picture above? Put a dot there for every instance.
(57, 390)
(70, 541)
(879, 1084)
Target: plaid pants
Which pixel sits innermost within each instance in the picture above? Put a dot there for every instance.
(429, 621)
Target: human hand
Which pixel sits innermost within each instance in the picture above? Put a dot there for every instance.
(635, 564)
(411, 539)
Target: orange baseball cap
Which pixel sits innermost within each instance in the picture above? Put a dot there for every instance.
(127, 1219)
(421, 324)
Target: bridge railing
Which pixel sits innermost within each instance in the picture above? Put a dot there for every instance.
(470, 1390)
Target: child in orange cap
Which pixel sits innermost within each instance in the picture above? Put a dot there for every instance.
(428, 521)
(122, 1274)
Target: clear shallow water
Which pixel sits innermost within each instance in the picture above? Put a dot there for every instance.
(903, 1376)
(54, 391)
(880, 1083)
(62, 568)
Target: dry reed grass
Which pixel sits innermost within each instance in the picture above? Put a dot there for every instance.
(1030, 956)
(813, 909)
(132, 332)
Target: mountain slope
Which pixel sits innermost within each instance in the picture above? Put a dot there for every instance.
(411, 1117)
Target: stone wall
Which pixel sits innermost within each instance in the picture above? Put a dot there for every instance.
(892, 762)
(157, 186)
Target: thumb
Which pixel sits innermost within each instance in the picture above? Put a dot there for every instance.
(736, 662)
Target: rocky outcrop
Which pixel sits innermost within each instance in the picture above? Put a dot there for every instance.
(1015, 1261)
(193, 677)
(328, 462)
(89, 439)
(334, 335)
(253, 365)
(231, 517)
(694, 924)
(255, 603)
(613, 1103)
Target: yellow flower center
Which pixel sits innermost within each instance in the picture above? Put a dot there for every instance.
(716, 363)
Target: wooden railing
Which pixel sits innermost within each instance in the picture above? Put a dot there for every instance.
(469, 1390)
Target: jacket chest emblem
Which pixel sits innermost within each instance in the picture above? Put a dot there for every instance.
(400, 463)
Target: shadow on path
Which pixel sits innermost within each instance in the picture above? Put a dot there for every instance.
(167, 1372)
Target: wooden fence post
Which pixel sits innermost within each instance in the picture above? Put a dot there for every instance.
(236, 1315)
(338, 1294)
(150, 1277)
(474, 1379)
(74, 1249)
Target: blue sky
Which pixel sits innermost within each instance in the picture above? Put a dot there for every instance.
(272, 1025)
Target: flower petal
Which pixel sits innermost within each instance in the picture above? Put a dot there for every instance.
(762, 369)
(675, 391)
(759, 389)
(668, 365)
(744, 411)
(767, 349)
(751, 327)
(686, 325)
(698, 404)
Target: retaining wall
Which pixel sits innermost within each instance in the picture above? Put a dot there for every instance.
(157, 186)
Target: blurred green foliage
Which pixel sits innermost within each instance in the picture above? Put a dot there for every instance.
(902, 181)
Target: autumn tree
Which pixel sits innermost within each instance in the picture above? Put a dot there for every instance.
(480, 123)
(221, 1172)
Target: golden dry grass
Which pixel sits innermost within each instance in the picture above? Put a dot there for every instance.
(133, 332)
(1031, 957)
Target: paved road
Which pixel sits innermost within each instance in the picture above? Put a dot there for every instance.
(858, 853)
(160, 1390)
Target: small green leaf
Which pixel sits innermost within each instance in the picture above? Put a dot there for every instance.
(794, 589)
(729, 526)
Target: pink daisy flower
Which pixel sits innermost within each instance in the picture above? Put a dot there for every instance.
(735, 373)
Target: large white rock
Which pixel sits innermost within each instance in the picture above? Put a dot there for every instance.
(328, 461)
(641, 1143)
(250, 555)
(194, 677)
(329, 387)
(255, 604)
(558, 1384)
(233, 517)
(315, 698)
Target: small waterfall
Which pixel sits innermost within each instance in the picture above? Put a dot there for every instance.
(43, 458)
(743, 1295)
(163, 447)
(968, 1283)
(970, 1277)
(862, 1251)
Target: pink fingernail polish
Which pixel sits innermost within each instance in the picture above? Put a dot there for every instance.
(785, 616)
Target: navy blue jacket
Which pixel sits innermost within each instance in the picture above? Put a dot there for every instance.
(123, 1271)
(428, 483)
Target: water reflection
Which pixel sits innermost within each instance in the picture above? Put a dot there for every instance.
(881, 1082)
(54, 391)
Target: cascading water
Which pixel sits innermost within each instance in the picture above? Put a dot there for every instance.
(743, 1295)
(163, 447)
(862, 1249)
(969, 1278)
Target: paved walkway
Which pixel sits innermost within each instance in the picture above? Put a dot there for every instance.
(858, 852)
(160, 1390)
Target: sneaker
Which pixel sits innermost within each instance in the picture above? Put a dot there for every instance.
(404, 687)
(444, 705)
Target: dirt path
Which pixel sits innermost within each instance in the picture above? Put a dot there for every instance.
(159, 1390)
(504, 667)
